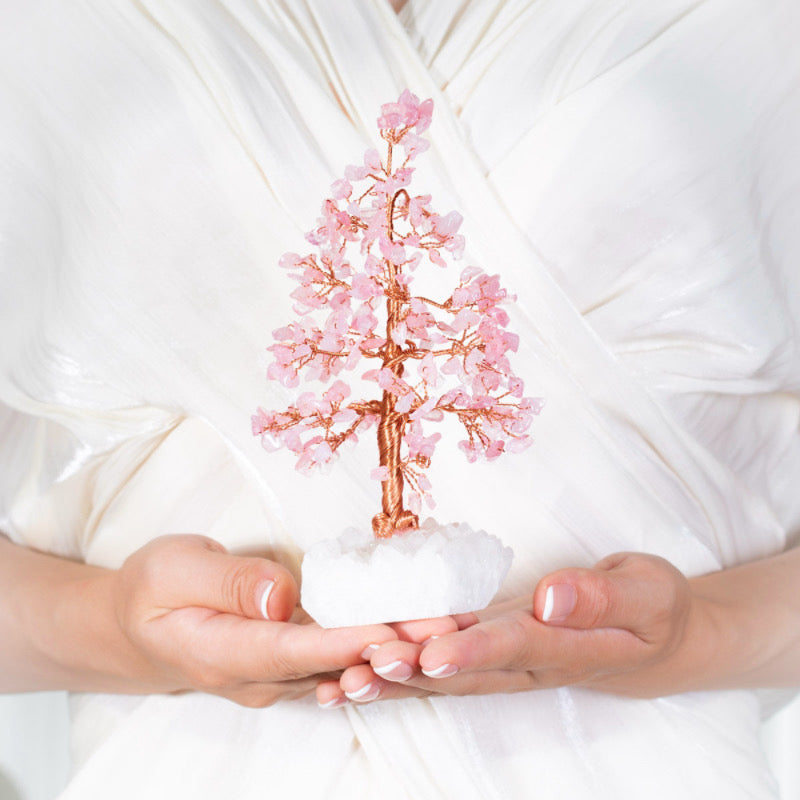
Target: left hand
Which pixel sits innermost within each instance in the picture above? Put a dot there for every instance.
(624, 626)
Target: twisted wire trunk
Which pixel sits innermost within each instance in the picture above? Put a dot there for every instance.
(393, 517)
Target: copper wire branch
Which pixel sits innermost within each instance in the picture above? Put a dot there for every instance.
(392, 517)
(490, 418)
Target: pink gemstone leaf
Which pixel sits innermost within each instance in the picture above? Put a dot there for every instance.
(424, 357)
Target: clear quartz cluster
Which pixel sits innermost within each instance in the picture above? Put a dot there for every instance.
(430, 572)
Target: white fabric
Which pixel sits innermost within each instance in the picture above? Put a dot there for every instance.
(630, 169)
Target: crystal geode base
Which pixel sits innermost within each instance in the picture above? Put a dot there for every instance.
(430, 572)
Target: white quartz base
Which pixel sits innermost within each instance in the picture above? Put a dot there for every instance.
(431, 572)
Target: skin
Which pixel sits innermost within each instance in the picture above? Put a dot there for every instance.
(638, 628)
(180, 614)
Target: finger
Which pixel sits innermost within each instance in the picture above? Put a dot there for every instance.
(261, 695)
(518, 641)
(361, 685)
(483, 682)
(420, 630)
(219, 648)
(257, 650)
(307, 649)
(197, 571)
(629, 591)
(330, 695)
(396, 661)
(503, 642)
(465, 620)
(495, 610)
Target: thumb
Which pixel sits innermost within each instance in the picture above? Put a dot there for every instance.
(626, 590)
(198, 571)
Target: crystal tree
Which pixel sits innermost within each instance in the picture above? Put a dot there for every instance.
(429, 357)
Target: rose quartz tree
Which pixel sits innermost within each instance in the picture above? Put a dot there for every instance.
(429, 357)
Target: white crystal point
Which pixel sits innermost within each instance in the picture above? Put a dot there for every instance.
(431, 572)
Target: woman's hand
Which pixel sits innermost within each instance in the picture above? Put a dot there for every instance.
(217, 623)
(626, 626)
(620, 627)
(633, 625)
(180, 614)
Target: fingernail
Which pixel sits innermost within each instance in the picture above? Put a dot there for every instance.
(430, 639)
(445, 671)
(264, 600)
(366, 653)
(337, 702)
(559, 601)
(368, 692)
(396, 671)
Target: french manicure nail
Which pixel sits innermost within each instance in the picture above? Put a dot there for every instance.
(264, 600)
(445, 671)
(366, 653)
(396, 671)
(430, 639)
(337, 702)
(369, 691)
(559, 601)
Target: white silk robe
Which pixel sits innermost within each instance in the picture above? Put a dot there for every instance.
(630, 169)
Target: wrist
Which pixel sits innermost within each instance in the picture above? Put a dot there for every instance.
(749, 633)
(711, 643)
(61, 628)
(98, 655)
(81, 636)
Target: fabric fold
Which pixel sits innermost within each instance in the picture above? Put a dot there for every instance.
(179, 148)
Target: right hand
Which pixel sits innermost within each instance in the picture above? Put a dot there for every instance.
(193, 615)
